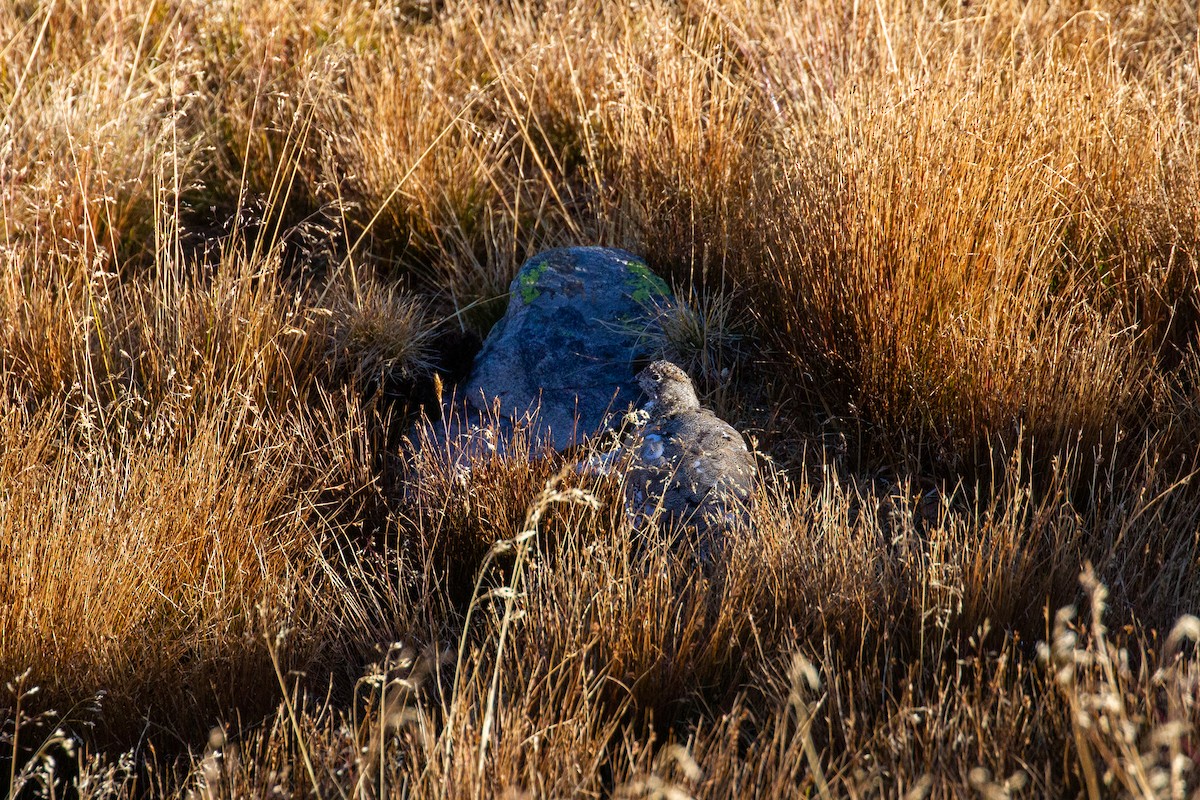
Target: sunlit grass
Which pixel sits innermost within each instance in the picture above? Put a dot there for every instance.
(939, 258)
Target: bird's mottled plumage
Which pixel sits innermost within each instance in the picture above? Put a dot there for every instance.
(688, 459)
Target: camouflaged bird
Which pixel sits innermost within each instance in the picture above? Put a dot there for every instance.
(686, 458)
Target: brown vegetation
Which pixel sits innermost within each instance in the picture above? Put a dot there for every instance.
(940, 258)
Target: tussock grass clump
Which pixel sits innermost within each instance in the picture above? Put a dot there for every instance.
(940, 258)
(378, 332)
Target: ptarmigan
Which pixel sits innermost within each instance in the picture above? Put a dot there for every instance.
(686, 458)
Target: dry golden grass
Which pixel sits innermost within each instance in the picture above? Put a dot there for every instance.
(940, 258)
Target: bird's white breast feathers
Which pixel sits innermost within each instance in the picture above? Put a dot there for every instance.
(652, 449)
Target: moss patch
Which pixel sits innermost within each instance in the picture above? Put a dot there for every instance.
(528, 281)
(644, 283)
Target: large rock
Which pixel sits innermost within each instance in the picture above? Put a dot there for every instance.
(578, 321)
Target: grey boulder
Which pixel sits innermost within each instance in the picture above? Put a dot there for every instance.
(562, 359)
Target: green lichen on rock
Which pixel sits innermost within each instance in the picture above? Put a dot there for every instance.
(529, 290)
(645, 283)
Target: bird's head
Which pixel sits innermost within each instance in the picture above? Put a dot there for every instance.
(669, 388)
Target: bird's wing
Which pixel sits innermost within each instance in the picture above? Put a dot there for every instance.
(706, 454)
(690, 463)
